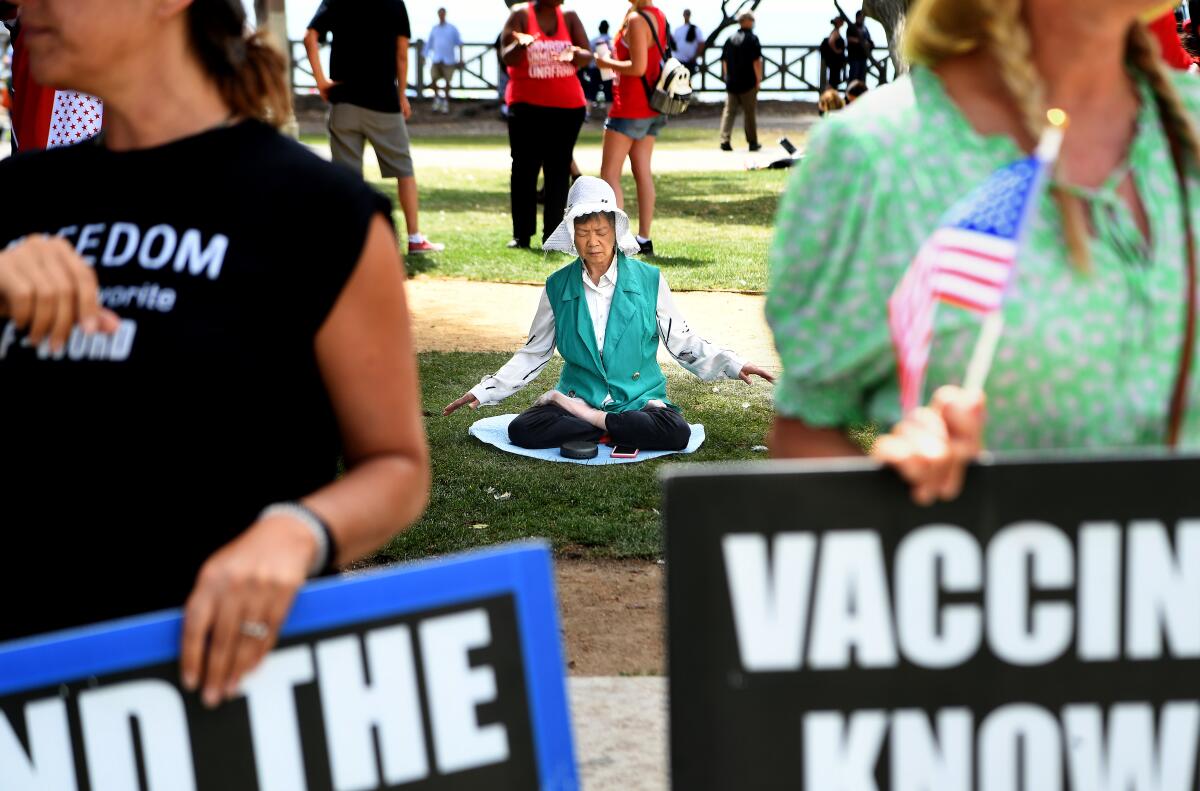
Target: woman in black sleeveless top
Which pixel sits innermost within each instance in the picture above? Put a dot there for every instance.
(198, 317)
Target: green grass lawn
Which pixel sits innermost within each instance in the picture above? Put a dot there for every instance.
(678, 137)
(712, 230)
(609, 511)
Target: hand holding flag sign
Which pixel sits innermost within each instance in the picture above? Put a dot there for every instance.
(969, 262)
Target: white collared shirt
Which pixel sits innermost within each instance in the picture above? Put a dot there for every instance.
(599, 301)
(701, 358)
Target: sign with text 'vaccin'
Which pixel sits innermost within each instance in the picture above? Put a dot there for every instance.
(1040, 633)
(442, 675)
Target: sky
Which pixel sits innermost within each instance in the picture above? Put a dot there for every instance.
(779, 21)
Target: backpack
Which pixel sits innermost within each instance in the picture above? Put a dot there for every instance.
(672, 95)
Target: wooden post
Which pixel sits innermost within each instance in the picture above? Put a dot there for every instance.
(272, 18)
(419, 81)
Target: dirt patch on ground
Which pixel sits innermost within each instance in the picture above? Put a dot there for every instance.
(463, 315)
(612, 616)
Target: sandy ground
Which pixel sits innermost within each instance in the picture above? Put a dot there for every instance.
(463, 315)
(612, 616)
(612, 620)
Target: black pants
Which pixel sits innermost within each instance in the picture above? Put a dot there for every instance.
(541, 138)
(650, 429)
(858, 69)
(835, 69)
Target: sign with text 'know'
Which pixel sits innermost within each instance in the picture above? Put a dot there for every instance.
(444, 675)
(1041, 633)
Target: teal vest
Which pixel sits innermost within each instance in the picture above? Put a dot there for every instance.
(628, 369)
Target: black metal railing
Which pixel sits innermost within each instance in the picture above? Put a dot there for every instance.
(788, 68)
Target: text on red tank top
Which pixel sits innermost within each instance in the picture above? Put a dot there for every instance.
(544, 54)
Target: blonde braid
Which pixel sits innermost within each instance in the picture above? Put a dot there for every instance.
(1012, 47)
(1143, 53)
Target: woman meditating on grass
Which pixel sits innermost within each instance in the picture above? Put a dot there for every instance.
(606, 313)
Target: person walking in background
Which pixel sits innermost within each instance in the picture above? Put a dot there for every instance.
(689, 43)
(444, 51)
(368, 90)
(833, 53)
(742, 70)
(858, 47)
(544, 47)
(602, 78)
(633, 125)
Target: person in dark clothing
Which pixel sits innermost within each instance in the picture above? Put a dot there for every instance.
(544, 47)
(368, 91)
(742, 69)
(858, 47)
(162, 332)
(833, 53)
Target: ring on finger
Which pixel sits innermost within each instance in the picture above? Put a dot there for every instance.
(256, 630)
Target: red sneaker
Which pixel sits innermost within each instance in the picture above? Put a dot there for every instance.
(424, 246)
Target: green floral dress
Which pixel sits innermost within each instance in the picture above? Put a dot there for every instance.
(1088, 360)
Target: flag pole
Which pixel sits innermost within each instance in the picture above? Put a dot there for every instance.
(993, 325)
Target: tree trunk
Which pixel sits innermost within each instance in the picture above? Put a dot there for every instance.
(891, 14)
(730, 11)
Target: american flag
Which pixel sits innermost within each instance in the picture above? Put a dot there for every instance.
(969, 262)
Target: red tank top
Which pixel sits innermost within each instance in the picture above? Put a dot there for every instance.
(543, 79)
(630, 99)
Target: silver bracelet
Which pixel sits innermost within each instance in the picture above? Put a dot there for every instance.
(310, 520)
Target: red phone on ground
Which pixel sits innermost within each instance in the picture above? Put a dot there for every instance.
(624, 452)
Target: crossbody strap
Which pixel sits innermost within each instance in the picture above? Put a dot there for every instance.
(1179, 397)
(662, 52)
(654, 32)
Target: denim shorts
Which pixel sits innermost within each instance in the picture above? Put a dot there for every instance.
(637, 128)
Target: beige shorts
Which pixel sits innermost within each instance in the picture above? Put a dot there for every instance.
(351, 126)
(442, 71)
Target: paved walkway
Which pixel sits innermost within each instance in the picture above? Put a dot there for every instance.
(621, 733)
(464, 315)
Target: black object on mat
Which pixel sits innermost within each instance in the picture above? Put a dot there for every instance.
(579, 450)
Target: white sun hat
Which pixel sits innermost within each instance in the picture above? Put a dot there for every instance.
(588, 196)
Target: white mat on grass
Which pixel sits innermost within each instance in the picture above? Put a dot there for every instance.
(494, 431)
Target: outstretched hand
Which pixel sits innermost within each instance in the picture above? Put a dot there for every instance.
(750, 370)
(932, 446)
(467, 400)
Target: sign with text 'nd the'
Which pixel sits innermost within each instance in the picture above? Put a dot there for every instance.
(444, 675)
(1041, 633)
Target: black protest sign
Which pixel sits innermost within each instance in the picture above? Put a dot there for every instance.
(1041, 632)
(443, 677)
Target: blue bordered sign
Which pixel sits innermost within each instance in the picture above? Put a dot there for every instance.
(445, 674)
